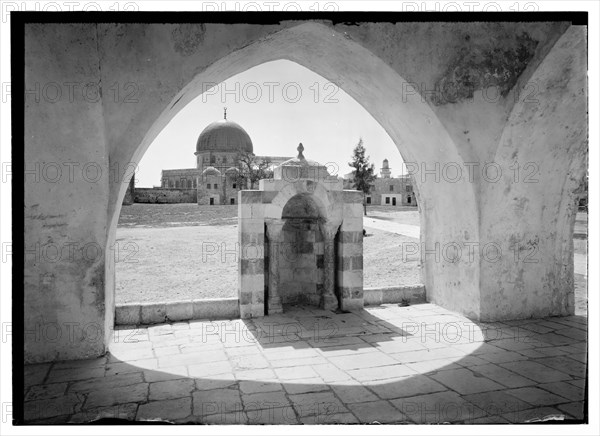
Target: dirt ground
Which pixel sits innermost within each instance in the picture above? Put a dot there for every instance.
(177, 263)
(183, 251)
(401, 215)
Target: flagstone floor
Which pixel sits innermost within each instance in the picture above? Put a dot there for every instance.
(387, 364)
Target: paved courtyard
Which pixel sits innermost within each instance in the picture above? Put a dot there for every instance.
(387, 364)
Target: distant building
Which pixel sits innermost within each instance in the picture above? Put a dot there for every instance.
(387, 190)
(215, 179)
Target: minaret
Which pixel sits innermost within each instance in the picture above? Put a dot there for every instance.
(386, 172)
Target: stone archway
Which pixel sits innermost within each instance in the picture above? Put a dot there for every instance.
(298, 214)
(411, 123)
(172, 64)
(545, 157)
(296, 242)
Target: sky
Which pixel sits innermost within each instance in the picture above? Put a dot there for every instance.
(280, 104)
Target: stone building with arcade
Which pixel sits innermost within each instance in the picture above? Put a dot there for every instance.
(387, 190)
(216, 176)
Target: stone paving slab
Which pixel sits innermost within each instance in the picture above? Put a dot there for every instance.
(48, 391)
(35, 374)
(536, 415)
(565, 390)
(170, 410)
(387, 364)
(439, 407)
(332, 419)
(308, 385)
(405, 387)
(536, 396)
(575, 409)
(320, 403)
(378, 412)
(465, 381)
(126, 411)
(536, 371)
(171, 389)
(497, 403)
(265, 400)
(502, 376)
(110, 396)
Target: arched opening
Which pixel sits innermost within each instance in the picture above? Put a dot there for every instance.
(189, 273)
(411, 124)
(300, 248)
(217, 369)
(541, 186)
(210, 274)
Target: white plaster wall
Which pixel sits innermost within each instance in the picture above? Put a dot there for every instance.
(65, 296)
(170, 65)
(410, 122)
(531, 215)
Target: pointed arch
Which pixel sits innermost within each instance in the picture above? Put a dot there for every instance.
(411, 124)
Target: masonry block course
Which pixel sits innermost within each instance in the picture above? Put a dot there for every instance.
(301, 210)
(164, 195)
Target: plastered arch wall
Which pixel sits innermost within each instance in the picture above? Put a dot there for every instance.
(170, 64)
(530, 212)
(411, 123)
(318, 193)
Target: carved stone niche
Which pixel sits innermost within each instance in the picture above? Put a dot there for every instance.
(300, 241)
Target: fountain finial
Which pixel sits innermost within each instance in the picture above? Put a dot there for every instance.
(300, 150)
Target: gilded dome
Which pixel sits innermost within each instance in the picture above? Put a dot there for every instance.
(224, 135)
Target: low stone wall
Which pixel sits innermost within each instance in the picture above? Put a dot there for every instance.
(157, 313)
(228, 308)
(165, 195)
(414, 294)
